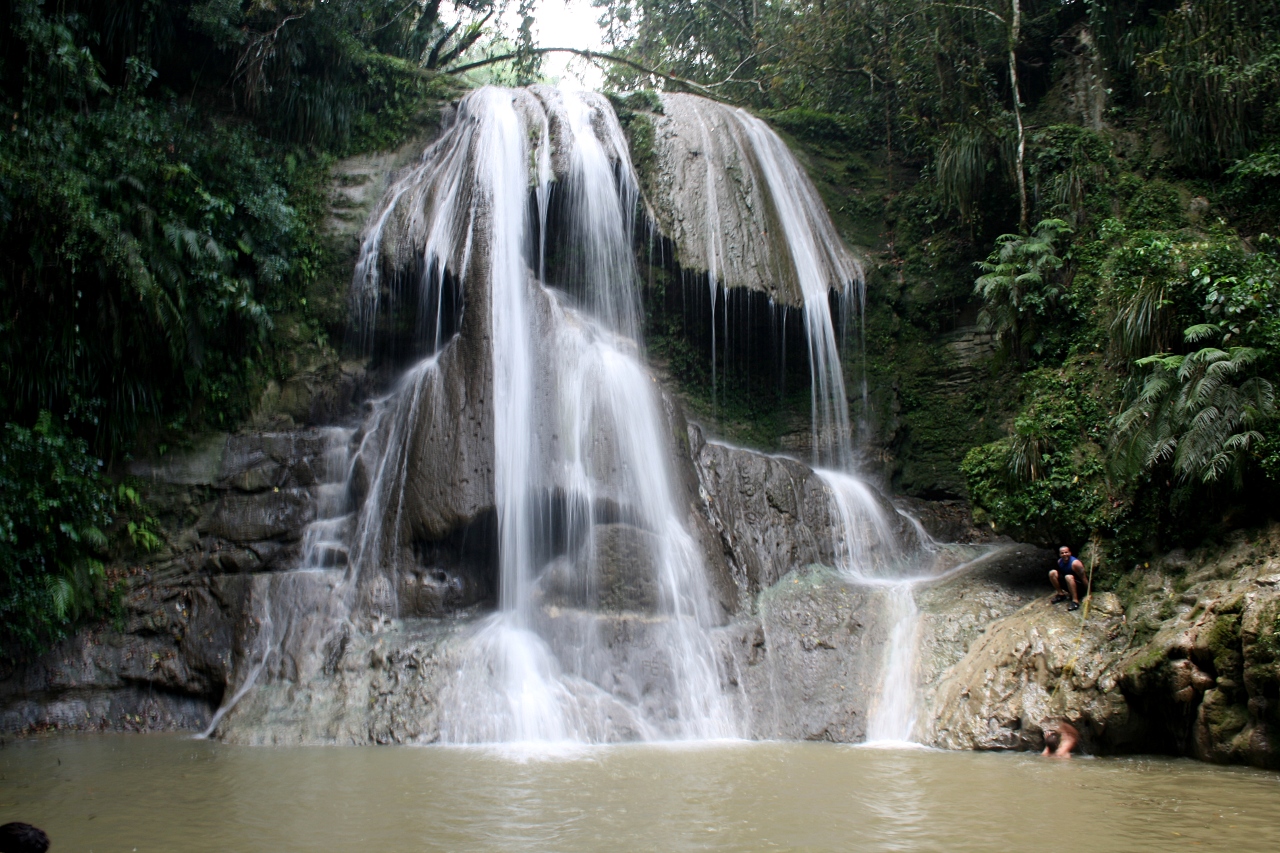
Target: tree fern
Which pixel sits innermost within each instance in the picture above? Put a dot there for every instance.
(1199, 414)
(61, 595)
(1018, 287)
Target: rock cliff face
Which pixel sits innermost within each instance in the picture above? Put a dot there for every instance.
(1187, 663)
(807, 660)
(235, 507)
(771, 513)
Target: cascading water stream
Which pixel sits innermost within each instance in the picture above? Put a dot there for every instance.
(869, 549)
(872, 552)
(892, 718)
(581, 476)
(743, 210)
(526, 205)
(770, 190)
(814, 250)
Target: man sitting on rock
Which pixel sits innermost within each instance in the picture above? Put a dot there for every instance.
(1060, 740)
(1070, 572)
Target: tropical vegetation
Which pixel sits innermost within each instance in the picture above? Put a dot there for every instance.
(162, 170)
(1094, 185)
(1107, 170)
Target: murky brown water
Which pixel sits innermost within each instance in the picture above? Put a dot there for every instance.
(166, 793)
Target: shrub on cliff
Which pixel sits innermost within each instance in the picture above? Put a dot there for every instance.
(1163, 439)
(55, 506)
(1047, 481)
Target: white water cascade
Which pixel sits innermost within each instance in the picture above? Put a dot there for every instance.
(761, 224)
(581, 476)
(533, 423)
(876, 550)
(739, 206)
(871, 553)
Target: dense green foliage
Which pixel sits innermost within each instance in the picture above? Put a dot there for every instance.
(1019, 289)
(162, 181)
(1136, 326)
(55, 506)
(141, 249)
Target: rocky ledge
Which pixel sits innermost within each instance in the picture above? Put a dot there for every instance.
(1184, 660)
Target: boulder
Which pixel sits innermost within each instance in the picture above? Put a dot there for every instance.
(806, 665)
(258, 461)
(771, 513)
(1028, 669)
(1189, 664)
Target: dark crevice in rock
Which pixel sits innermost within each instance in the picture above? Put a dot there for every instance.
(452, 573)
(758, 342)
(420, 310)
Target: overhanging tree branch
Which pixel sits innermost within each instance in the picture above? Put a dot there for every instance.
(959, 6)
(596, 56)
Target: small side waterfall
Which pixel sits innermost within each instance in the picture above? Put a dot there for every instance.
(894, 714)
(738, 205)
(871, 553)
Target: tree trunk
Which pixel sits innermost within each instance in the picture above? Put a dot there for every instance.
(1015, 31)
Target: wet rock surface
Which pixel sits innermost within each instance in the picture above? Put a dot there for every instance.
(807, 662)
(166, 668)
(232, 507)
(771, 513)
(1188, 663)
(381, 685)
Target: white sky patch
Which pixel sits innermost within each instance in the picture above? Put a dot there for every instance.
(569, 23)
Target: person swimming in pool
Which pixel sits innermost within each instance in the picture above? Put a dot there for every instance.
(22, 838)
(1060, 740)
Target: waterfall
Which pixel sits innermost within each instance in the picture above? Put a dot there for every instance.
(871, 552)
(592, 541)
(531, 429)
(738, 206)
(892, 718)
